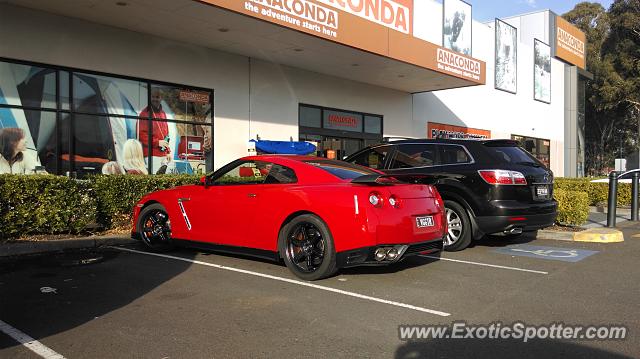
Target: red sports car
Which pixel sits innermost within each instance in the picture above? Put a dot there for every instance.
(318, 215)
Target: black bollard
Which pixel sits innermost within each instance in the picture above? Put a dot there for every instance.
(634, 196)
(613, 194)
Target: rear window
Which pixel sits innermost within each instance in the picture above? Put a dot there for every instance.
(343, 170)
(513, 154)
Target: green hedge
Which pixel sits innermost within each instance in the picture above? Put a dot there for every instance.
(44, 204)
(573, 206)
(597, 192)
(47, 204)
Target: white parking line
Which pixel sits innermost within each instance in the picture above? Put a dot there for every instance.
(293, 281)
(31, 344)
(486, 264)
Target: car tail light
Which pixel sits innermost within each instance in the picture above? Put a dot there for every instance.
(394, 202)
(440, 207)
(438, 198)
(503, 177)
(375, 199)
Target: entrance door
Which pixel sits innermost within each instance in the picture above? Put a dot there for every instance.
(343, 147)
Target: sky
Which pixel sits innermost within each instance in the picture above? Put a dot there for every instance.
(487, 10)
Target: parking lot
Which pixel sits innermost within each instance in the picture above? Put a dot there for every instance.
(189, 304)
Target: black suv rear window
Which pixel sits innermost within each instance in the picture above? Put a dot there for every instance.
(341, 169)
(513, 154)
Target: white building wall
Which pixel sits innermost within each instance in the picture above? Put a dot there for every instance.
(277, 90)
(503, 113)
(251, 97)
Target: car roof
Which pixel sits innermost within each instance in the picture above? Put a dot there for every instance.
(306, 172)
(285, 158)
(473, 141)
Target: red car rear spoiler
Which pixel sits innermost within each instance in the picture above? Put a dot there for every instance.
(391, 179)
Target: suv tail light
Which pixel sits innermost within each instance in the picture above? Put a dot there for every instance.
(375, 199)
(503, 177)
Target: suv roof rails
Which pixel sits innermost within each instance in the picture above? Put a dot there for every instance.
(389, 139)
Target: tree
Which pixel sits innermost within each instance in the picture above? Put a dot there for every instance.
(613, 97)
(621, 51)
(600, 121)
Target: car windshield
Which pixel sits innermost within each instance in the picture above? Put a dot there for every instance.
(341, 169)
(514, 155)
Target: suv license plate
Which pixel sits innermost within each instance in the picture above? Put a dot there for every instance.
(426, 221)
(542, 191)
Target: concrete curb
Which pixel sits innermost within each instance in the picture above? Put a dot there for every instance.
(599, 235)
(37, 247)
(619, 210)
(595, 235)
(555, 235)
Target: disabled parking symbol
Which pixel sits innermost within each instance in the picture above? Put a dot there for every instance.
(551, 253)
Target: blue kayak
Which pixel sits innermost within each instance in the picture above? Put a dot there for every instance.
(284, 147)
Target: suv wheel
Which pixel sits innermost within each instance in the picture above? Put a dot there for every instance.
(458, 227)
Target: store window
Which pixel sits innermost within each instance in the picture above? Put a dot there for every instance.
(83, 123)
(538, 147)
(338, 133)
(27, 119)
(310, 116)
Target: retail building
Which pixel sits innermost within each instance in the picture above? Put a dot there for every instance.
(182, 86)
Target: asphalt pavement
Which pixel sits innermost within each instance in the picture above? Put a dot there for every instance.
(124, 302)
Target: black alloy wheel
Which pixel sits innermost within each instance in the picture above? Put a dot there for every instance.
(154, 227)
(306, 245)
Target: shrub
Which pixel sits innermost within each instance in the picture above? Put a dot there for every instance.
(573, 206)
(44, 204)
(597, 192)
(47, 204)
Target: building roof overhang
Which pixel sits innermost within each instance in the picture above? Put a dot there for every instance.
(378, 56)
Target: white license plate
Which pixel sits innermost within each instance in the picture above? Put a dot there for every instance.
(542, 191)
(425, 221)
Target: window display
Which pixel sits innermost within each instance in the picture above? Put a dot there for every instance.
(100, 124)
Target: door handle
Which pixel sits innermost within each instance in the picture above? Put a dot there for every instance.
(252, 195)
(183, 199)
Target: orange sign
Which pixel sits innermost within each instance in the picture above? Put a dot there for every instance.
(347, 121)
(382, 27)
(570, 43)
(460, 65)
(440, 130)
(192, 96)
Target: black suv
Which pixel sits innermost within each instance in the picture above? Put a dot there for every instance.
(489, 186)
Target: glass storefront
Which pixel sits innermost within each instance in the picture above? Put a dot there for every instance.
(66, 121)
(338, 133)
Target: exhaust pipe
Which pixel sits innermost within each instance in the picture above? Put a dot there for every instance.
(516, 230)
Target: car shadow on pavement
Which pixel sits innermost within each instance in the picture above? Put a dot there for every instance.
(499, 241)
(503, 348)
(48, 294)
(409, 262)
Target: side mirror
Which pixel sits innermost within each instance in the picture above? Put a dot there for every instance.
(204, 182)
